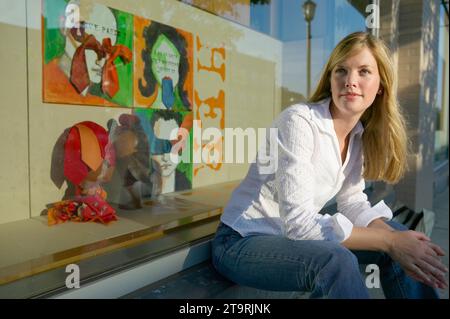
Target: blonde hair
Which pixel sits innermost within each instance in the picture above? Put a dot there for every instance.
(385, 143)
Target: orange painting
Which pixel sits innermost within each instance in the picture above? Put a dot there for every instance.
(163, 69)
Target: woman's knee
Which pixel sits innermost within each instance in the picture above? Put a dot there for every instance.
(342, 258)
(341, 270)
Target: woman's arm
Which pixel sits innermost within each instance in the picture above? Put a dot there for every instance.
(351, 200)
(362, 238)
(412, 250)
(295, 181)
(380, 224)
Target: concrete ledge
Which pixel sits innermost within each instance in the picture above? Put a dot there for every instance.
(132, 279)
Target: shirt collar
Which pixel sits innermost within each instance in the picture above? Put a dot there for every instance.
(320, 113)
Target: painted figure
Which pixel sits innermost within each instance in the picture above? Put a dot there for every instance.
(167, 144)
(84, 57)
(166, 67)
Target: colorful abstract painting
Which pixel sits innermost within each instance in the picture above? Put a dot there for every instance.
(171, 155)
(163, 74)
(88, 54)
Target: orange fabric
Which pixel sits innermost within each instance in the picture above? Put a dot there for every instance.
(79, 75)
(82, 209)
(90, 149)
(110, 78)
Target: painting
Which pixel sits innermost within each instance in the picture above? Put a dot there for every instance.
(170, 138)
(163, 74)
(88, 53)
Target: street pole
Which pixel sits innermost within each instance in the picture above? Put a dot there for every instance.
(308, 59)
(309, 8)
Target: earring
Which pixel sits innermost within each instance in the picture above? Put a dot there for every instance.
(380, 91)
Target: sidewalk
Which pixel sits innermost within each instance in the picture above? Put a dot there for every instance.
(440, 230)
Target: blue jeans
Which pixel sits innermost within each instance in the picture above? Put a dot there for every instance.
(326, 269)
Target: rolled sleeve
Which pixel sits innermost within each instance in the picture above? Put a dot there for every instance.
(341, 227)
(380, 210)
(345, 226)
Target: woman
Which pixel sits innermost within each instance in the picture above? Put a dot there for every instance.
(271, 234)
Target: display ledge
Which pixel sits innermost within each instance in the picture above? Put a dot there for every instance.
(32, 247)
(122, 271)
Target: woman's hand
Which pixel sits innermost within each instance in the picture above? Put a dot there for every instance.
(419, 257)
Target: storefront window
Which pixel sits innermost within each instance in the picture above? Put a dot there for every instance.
(332, 21)
(116, 114)
(285, 21)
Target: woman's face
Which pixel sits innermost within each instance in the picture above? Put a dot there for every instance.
(355, 83)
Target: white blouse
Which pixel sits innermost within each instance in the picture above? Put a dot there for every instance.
(287, 201)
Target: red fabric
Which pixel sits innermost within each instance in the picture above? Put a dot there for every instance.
(75, 170)
(81, 209)
(79, 75)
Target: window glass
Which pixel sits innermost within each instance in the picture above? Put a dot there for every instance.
(114, 112)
